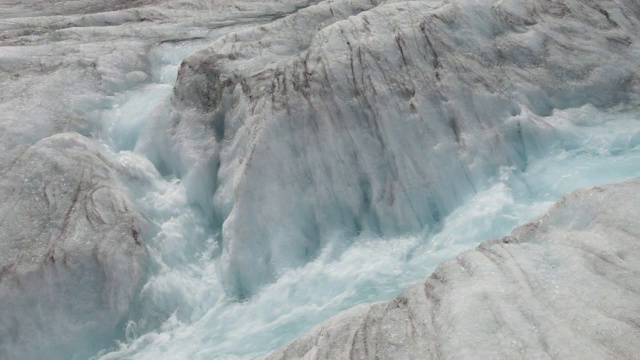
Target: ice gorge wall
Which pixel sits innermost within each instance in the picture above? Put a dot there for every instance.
(210, 179)
(377, 122)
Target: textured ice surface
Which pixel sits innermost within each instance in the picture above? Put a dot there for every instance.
(348, 118)
(71, 252)
(565, 286)
(320, 155)
(72, 238)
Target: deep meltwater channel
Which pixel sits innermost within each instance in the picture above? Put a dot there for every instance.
(210, 179)
(183, 309)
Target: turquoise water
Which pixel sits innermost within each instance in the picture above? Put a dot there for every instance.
(183, 312)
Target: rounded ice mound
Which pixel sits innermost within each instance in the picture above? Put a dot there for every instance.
(71, 253)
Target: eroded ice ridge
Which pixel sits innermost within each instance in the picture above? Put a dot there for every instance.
(65, 221)
(127, 216)
(565, 285)
(321, 125)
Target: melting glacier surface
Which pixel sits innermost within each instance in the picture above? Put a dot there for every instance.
(183, 310)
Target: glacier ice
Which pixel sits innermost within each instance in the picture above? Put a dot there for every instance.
(65, 221)
(72, 238)
(368, 268)
(312, 155)
(383, 117)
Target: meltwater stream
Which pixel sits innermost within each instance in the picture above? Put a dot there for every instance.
(182, 311)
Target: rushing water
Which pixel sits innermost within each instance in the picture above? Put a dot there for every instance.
(182, 310)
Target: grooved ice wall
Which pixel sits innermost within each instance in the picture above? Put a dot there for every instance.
(347, 118)
(305, 157)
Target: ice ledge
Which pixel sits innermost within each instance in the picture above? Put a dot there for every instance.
(565, 285)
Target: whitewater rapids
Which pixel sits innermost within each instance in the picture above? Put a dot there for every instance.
(196, 180)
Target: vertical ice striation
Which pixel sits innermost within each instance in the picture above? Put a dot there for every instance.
(348, 118)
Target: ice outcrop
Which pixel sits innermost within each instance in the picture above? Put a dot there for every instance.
(565, 285)
(71, 251)
(356, 116)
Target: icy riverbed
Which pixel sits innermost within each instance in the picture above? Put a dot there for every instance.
(204, 323)
(283, 178)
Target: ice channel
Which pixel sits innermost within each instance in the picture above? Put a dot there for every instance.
(183, 311)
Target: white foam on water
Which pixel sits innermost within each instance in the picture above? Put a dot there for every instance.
(183, 311)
